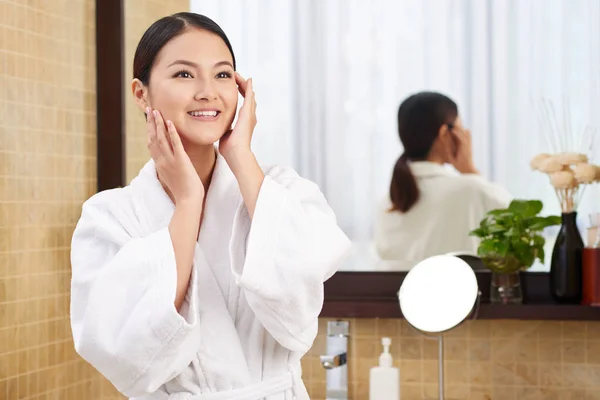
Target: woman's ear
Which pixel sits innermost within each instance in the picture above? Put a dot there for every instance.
(443, 132)
(140, 94)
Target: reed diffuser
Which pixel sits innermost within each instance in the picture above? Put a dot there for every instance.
(570, 172)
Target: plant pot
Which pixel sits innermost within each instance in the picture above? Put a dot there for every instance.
(506, 288)
(566, 264)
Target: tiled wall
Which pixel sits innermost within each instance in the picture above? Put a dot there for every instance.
(47, 169)
(139, 15)
(499, 360)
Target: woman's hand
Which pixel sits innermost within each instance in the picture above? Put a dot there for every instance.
(240, 137)
(174, 167)
(234, 146)
(462, 159)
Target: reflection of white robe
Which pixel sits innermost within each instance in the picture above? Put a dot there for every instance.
(252, 307)
(449, 207)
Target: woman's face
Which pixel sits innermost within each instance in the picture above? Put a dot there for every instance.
(192, 83)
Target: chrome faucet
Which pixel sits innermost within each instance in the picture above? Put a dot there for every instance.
(335, 361)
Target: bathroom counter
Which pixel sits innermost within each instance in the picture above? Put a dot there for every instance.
(374, 295)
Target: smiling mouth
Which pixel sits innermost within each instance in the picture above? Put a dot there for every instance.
(204, 115)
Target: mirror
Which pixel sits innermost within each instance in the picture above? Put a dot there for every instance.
(436, 296)
(330, 81)
(438, 293)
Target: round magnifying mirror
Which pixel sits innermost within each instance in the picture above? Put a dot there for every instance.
(438, 293)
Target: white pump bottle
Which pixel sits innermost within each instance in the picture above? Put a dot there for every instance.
(384, 380)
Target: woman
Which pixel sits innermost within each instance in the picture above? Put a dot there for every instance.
(431, 209)
(202, 279)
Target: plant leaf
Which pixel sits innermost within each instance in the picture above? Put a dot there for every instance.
(526, 208)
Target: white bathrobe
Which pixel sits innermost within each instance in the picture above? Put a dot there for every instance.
(252, 307)
(450, 205)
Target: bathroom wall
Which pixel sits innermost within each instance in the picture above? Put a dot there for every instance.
(47, 169)
(499, 360)
(139, 15)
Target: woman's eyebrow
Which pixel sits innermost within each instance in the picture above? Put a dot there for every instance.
(194, 65)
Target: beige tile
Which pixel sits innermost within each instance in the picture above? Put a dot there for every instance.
(592, 350)
(365, 348)
(575, 375)
(366, 328)
(504, 392)
(430, 371)
(503, 328)
(410, 391)
(480, 373)
(411, 371)
(550, 375)
(480, 350)
(527, 350)
(456, 392)
(430, 349)
(503, 373)
(550, 350)
(528, 393)
(593, 330)
(574, 351)
(549, 330)
(389, 327)
(411, 348)
(479, 329)
(479, 393)
(504, 350)
(527, 374)
(457, 372)
(575, 330)
(455, 349)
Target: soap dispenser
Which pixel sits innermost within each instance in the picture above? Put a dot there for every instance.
(384, 380)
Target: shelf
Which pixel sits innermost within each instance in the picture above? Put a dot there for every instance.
(373, 295)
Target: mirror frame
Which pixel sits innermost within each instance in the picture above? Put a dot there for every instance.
(367, 294)
(110, 99)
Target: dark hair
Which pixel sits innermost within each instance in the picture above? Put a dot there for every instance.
(162, 31)
(420, 117)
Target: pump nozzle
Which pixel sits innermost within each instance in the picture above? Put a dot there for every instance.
(385, 359)
(386, 342)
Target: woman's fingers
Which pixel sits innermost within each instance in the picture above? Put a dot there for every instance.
(151, 132)
(175, 139)
(251, 95)
(242, 84)
(161, 135)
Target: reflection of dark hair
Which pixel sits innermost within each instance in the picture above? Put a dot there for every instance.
(162, 31)
(419, 120)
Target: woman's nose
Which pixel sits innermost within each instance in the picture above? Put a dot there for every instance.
(205, 91)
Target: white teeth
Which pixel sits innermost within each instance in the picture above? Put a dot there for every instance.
(203, 113)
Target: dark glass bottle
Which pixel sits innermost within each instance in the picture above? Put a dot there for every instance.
(566, 264)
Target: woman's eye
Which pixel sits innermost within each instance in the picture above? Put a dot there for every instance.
(183, 74)
(223, 75)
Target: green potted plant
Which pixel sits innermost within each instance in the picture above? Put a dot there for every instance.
(511, 240)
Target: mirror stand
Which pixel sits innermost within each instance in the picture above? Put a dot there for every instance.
(440, 339)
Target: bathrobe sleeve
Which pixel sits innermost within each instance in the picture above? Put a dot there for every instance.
(293, 247)
(123, 317)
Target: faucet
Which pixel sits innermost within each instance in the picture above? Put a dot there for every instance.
(335, 361)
